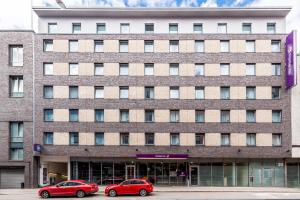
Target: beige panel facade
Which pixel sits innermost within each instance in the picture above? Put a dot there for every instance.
(212, 46)
(86, 69)
(187, 139)
(60, 69)
(263, 139)
(263, 45)
(136, 46)
(111, 69)
(187, 92)
(162, 139)
(161, 69)
(111, 46)
(161, 46)
(162, 116)
(61, 115)
(136, 93)
(263, 69)
(187, 116)
(264, 116)
(212, 139)
(111, 115)
(86, 46)
(60, 45)
(237, 46)
(86, 115)
(238, 139)
(237, 69)
(136, 139)
(263, 92)
(212, 92)
(60, 92)
(86, 92)
(137, 115)
(212, 69)
(237, 92)
(60, 138)
(112, 139)
(86, 138)
(212, 115)
(161, 92)
(186, 46)
(136, 69)
(187, 69)
(237, 115)
(111, 92)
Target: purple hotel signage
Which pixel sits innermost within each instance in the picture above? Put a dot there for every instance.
(162, 156)
(290, 61)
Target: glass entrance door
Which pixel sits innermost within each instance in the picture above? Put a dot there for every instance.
(194, 175)
(130, 171)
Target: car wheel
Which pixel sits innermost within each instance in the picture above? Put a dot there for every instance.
(112, 193)
(45, 194)
(143, 192)
(80, 194)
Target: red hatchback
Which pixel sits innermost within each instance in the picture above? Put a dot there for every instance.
(131, 186)
(77, 188)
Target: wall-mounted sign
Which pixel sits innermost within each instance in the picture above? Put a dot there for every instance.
(291, 60)
(37, 148)
(162, 156)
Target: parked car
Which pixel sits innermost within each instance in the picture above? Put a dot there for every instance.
(141, 187)
(79, 188)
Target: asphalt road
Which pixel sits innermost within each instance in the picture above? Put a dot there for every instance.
(165, 195)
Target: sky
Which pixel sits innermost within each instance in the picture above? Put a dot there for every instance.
(16, 14)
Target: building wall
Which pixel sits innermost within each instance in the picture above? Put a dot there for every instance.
(296, 116)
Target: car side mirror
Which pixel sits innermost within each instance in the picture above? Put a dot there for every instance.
(57, 185)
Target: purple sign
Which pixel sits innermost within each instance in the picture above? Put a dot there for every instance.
(162, 156)
(37, 148)
(290, 60)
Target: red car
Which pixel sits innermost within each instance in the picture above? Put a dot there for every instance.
(131, 186)
(77, 188)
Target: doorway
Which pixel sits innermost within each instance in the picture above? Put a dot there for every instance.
(194, 175)
(130, 172)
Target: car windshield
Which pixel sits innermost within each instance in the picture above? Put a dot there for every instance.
(61, 184)
(124, 183)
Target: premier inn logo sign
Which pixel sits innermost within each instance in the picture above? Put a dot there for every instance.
(290, 61)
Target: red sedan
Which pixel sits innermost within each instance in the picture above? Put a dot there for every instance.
(77, 188)
(132, 186)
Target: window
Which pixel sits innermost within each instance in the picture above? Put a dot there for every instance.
(149, 28)
(250, 46)
(52, 27)
(225, 92)
(174, 115)
(124, 115)
(16, 132)
(251, 116)
(200, 116)
(251, 139)
(200, 139)
(250, 92)
(276, 69)
(250, 69)
(73, 69)
(276, 92)
(225, 116)
(199, 92)
(174, 46)
(48, 138)
(48, 69)
(99, 138)
(149, 92)
(48, 91)
(73, 45)
(99, 69)
(149, 69)
(149, 115)
(149, 46)
(123, 46)
(16, 86)
(222, 28)
(101, 28)
(225, 139)
(76, 28)
(124, 138)
(48, 115)
(73, 115)
(123, 69)
(174, 92)
(99, 115)
(198, 28)
(124, 92)
(224, 69)
(174, 139)
(16, 55)
(98, 46)
(199, 46)
(173, 28)
(48, 45)
(199, 69)
(16, 153)
(149, 138)
(174, 69)
(224, 46)
(276, 139)
(99, 92)
(73, 92)
(247, 28)
(124, 28)
(276, 116)
(271, 27)
(74, 138)
(276, 45)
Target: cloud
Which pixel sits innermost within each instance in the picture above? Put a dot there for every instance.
(210, 3)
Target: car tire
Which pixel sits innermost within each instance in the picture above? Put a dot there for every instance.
(143, 192)
(80, 194)
(112, 193)
(45, 194)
